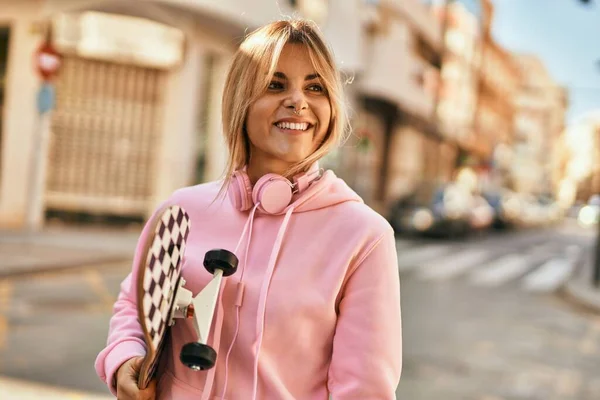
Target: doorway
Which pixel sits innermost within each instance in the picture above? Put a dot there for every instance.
(4, 40)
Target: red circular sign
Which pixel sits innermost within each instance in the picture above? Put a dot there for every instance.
(47, 61)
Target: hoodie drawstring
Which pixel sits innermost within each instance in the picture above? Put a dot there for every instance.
(210, 377)
(238, 300)
(262, 304)
(264, 291)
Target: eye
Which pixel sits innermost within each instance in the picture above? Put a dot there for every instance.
(316, 87)
(275, 85)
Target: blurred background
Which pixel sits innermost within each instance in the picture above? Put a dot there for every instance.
(475, 132)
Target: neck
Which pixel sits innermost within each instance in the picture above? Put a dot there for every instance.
(258, 169)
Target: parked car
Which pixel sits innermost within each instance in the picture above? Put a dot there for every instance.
(481, 214)
(440, 210)
(507, 206)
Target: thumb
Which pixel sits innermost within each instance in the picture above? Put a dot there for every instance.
(137, 363)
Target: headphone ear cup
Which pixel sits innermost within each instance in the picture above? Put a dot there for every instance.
(273, 192)
(240, 191)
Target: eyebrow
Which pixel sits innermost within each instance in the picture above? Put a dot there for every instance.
(309, 77)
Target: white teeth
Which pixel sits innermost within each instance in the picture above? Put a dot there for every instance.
(301, 126)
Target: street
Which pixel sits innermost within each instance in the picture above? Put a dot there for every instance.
(499, 330)
(482, 317)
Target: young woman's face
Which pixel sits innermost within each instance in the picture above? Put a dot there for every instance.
(279, 137)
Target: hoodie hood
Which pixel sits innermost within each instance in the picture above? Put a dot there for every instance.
(327, 191)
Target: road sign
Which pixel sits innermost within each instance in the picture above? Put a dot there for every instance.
(46, 98)
(47, 61)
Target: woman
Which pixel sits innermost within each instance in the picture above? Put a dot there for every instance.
(314, 307)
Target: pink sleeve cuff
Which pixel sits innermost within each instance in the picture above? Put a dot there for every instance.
(117, 356)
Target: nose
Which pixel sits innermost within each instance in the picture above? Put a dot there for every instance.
(296, 99)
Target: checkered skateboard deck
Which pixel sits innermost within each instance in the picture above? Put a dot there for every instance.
(157, 281)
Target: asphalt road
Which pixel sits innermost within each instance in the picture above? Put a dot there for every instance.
(482, 320)
(485, 319)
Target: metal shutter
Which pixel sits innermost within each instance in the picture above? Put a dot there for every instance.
(105, 137)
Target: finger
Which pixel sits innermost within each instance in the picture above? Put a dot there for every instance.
(128, 390)
(124, 393)
(150, 392)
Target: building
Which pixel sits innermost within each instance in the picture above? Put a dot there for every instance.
(458, 97)
(581, 143)
(498, 86)
(137, 98)
(395, 142)
(540, 120)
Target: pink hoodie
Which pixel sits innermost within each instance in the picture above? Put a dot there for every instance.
(320, 313)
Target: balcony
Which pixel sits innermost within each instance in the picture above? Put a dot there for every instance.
(396, 72)
(419, 18)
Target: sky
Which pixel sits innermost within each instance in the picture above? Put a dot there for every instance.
(565, 35)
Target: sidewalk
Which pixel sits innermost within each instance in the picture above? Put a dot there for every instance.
(13, 389)
(62, 248)
(580, 287)
(58, 248)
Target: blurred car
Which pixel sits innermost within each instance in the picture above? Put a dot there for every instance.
(589, 215)
(540, 211)
(440, 210)
(507, 207)
(551, 210)
(481, 213)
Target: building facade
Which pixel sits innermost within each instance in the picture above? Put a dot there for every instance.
(540, 120)
(395, 142)
(137, 112)
(138, 98)
(498, 86)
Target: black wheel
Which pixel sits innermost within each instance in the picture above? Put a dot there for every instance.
(220, 259)
(198, 356)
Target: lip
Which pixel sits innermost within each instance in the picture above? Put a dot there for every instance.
(295, 121)
(293, 131)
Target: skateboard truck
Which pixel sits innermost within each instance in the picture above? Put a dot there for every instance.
(198, 355)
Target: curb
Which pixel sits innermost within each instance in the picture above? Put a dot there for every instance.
(578, 289)
(33, 269)
(16, 389)
(583, 296)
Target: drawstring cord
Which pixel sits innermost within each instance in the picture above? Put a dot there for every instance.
(238, 300)
(264, 291)
(220, 311)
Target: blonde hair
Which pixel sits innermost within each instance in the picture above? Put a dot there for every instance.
(251, 71)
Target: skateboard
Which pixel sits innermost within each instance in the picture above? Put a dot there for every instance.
(162, 297)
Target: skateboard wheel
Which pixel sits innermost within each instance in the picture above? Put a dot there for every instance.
(220, 259)
(198, 356)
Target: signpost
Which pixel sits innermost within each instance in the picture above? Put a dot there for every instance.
(47, 63)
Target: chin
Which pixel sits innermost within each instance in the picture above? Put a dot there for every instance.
(293, 157)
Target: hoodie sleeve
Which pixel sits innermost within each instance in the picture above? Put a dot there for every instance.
(367, 348)
(125, 335)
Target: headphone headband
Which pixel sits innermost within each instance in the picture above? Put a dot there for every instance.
(272, 192)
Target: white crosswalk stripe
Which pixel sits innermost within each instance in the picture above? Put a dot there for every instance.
(413, 257)
(453, 265)
(537, 267)
(501, 270)
(510, 267)
(552, 273)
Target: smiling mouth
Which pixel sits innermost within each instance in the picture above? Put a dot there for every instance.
(294, 126)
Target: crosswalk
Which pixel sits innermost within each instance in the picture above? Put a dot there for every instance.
(535, 264)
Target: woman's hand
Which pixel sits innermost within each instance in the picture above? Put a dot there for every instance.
(127, 376)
